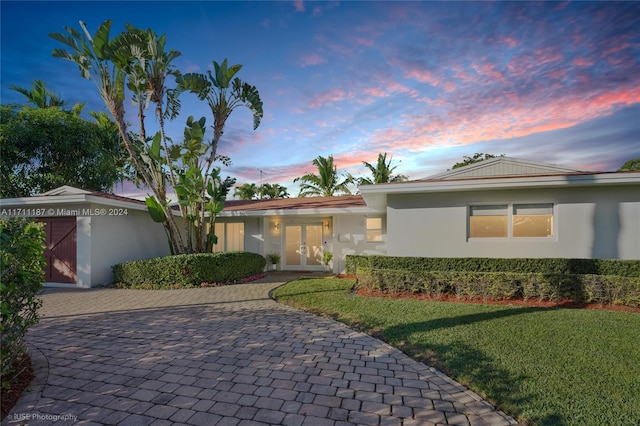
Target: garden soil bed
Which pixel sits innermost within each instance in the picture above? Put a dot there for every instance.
(532, 302)
(18, 385)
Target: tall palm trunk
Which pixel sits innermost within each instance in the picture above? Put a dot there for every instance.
(116, 108)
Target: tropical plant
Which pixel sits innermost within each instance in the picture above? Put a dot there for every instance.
(382, 172)
(137, 60)
(326, 183)
(39, 95)
(246, 191)
(327, 256)
(109, 62)
(274, 258)
(223, 92)
(200, 187)
(272, 191)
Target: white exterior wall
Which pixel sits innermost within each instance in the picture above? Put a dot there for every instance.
(350, 238)
(589, 222)
(103, 240)
(116, 239)
(345, 235)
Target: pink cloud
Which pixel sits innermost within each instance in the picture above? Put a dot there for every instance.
(299, 5)
(509, 41)
(328, 97)
(361, 41)
(476, 120)
(583, 62)
(312, 59)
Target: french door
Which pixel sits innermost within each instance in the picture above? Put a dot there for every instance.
(303, 247)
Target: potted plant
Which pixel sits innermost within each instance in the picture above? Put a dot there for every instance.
(274, 258)
(326, 259)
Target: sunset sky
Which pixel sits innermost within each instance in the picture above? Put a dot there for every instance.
(426, 82)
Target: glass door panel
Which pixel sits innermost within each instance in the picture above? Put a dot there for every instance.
(293, 243)
(313, 242)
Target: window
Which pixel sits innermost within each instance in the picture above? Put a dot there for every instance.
(230, 236)
(373, 229)
(511, 220)
(488, 221)
(532, 220)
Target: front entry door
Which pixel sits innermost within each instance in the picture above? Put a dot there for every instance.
(303, 247)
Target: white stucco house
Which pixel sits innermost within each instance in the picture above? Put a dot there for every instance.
(506, 207)
(503, 207)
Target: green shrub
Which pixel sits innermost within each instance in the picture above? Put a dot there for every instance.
(189, 270)
(624, 268)
(587, 288)
(21, 278)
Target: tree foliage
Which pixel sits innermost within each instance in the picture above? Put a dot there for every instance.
(382, 172)
(477, 157)
(44, 148)
(251, 191)
(137, 60)
(246, 191)
(272, 191)
(631, 165)
(21, 278)
(327, 182)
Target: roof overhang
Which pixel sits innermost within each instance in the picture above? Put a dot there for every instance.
(376, 195)
(329, 211)
(53, 200)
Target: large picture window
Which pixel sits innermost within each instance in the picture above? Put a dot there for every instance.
(532, 220)
(511, 220)
(488, 221)
(230, 236)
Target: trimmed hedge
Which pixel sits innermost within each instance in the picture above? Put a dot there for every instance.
(21, 278)
(587, 288)
(623, 268)
(189, 270)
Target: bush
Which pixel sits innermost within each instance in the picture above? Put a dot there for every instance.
(623, 268)
(587, 288)
(21, 278)
(189, 270)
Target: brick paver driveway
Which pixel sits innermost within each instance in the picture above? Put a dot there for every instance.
(224, 356)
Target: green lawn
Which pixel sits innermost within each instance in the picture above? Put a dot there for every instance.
(541, 365)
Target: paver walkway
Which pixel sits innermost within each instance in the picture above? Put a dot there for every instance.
(224, 356)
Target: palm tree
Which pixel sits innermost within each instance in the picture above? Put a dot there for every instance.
(223, 92)
(382, 172)
(271, 191)
(247, 191)
(108, 62)
(325, 183)
(41, 97)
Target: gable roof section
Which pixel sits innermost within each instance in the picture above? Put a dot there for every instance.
(301, 205)
(502, 166)
(496, 175)
(72, 195)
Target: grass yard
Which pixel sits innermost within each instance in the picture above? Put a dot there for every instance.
(543, 366)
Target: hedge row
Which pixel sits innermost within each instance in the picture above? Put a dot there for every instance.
(587, 288)
(21, 279)
(189, 270)
(623, 268)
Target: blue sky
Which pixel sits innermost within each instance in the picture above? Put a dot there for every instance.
(426, 82)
